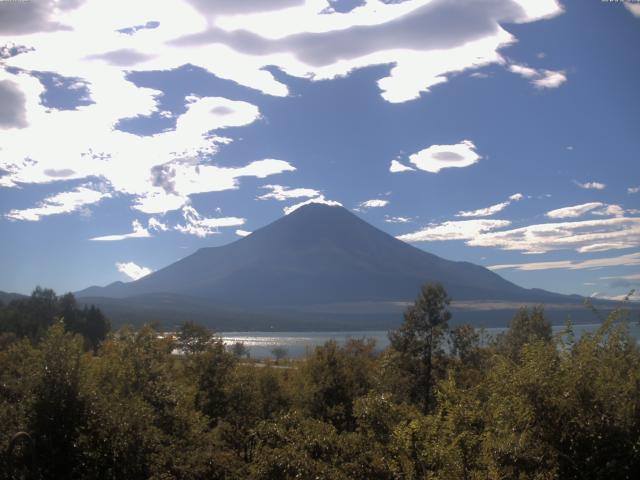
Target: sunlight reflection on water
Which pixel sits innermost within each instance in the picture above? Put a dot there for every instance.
(297, 344)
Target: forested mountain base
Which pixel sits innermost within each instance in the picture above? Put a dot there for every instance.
(437, 404)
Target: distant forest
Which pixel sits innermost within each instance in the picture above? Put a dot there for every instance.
(79, 401)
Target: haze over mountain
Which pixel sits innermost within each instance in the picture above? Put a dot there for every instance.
(319, 260)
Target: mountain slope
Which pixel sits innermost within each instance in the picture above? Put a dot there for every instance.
(318, 255)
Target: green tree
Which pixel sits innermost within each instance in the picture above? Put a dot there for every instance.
(240, 350)
(419, 340)
(279, 353)
(527, 326)
(213, 369)
(194, 338)
(332, 378)
(58, 410)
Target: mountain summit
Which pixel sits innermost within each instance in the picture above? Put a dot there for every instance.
(318, 255)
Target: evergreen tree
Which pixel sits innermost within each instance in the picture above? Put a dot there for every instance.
(419, 340)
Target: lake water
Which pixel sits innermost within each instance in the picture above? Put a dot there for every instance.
(260, 344)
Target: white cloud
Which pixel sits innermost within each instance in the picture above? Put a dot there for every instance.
(606, 210)
(631, 259)
(595, 208)
(389, 219)
(458, 230)
(493, 209)
(65, 202)
(631, 190)
(184, 179)
(297, 36)
(635, 276)
(540, 78)
(397, 167)
(634, 297)
(436, 157)
(280, 193)
(201, 227)
(591, 185)
(139, 231)
(583, 236)
(133, 271)
(319, 199)
(574, 211)
(550, 79)
(375, 203)
(634, 8)
(157, 225)
(243, 233)
(159, 171)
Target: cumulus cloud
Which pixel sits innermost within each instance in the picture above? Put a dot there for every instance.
(280, 193)
(138, 231)
(12, 106)
(157, 225)
(202, 227)
(319, 199)
(590, 185)
(132, 270)
(491, 210)
(631, 259)
(540, 78)
(458, 230)
(23, 17)
(631, 190)
(375, 203)
(436, 157)
(243, 233)
(159, 171)
(398, 167)
(99, 43)
(424, 40)
(65, 202)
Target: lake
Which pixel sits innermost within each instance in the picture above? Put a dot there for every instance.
(260, 344)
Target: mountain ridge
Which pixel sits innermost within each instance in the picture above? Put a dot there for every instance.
(317, 245)
(319, 267)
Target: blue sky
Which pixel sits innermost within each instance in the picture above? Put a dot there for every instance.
(501, 132)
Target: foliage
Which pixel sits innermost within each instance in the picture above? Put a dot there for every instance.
(527, 406)
(418, 341)
(32, 316)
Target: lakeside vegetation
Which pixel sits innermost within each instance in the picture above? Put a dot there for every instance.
(438, 403)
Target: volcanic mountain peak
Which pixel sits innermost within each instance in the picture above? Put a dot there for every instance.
(316, 255)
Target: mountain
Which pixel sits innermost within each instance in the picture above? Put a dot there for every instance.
(318, 262)
(6, 297)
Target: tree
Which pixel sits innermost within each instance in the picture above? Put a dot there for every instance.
(240, 350)
(58, 411)
(194, 338)
(526, 327)
(332, 378)
(279, 353)
(419, 339)
(213, 369)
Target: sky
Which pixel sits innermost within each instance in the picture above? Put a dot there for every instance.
(500, 132)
